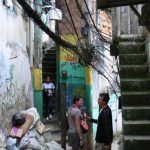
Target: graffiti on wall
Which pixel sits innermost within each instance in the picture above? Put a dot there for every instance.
(75, 89)
(71, 58)
(1, 68)
(68, 58)
(9, 82)
(9, 95)
(74, 65)
(14, 84)
(79, 91)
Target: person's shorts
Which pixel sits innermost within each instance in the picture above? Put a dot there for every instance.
(74, 141)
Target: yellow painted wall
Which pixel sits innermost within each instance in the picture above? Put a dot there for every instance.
(37, 78)
(88, 75)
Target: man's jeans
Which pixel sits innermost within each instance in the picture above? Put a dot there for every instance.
(102, 146)
(99, 146)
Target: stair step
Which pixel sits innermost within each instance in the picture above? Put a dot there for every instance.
(131, 47)
(136, 142)
(52, 131)
(49, 63)
(133, 59)
(132, 39)
(135, 84)
(136, 98)
(49, 136)
(56, 137)
(49, 69)
(51, 73)
(52, 128)
(135, 71)
(136, 127)
(50, 51)
(50, 58)
(136, 113)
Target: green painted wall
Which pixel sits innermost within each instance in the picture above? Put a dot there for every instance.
(38, 95)
(76, 75)
(38, 102)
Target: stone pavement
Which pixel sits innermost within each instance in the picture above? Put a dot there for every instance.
(114, 145)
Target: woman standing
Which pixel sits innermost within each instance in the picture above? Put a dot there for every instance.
(76, 138)
(48, 88)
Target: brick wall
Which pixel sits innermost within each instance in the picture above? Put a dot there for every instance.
(105, 24)
(65, 26)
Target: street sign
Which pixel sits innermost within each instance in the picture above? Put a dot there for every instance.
(101, 4)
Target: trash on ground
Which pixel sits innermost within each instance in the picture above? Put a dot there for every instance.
(26, 133)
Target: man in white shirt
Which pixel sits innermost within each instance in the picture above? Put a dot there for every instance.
(48, 88)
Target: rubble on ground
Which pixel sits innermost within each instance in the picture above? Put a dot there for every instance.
(27, 133)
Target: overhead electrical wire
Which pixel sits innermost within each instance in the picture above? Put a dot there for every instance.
(55, 37)
(69, 23)
(83, 16)
(94, 26)
(94, 23)
(72, 20)
(103, 55)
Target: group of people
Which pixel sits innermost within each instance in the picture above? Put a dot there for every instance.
(104, 135)
(76, 138)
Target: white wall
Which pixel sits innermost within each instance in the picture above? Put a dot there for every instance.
(16, 91)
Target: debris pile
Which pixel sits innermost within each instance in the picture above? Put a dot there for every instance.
(26, 133)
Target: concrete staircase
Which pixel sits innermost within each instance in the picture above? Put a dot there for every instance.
(52, 130)
(49, 64)
(49, 69)
(135, 94)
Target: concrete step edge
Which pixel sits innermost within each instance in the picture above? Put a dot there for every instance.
(133, 79)
(136, 108)
(138, 54)
(147, 122)
(140, 137)
(136, 93)
(133, 66)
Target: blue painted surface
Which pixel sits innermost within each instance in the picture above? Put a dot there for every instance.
(76, 89)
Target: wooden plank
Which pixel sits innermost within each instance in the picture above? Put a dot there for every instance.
(101, 4)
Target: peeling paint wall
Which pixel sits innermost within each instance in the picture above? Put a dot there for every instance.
(16, 92)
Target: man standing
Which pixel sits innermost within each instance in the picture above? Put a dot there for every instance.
(48, 89)
(104, 133)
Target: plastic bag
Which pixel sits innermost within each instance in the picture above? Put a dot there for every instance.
(18, 119)
(84, 126)
(11, 144)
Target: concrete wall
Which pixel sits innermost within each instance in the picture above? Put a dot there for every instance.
(16, 92)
